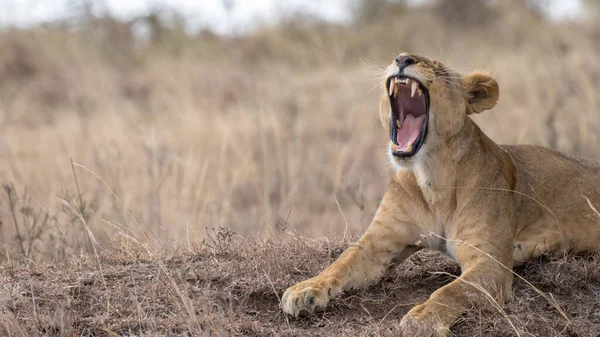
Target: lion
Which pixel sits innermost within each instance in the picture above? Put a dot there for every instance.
(489, 207)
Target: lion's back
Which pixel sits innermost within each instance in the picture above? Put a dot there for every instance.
(557, 188)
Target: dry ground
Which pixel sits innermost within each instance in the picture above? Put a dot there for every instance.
(232, 287)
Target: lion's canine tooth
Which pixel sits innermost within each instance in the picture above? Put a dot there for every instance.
(394, 146)
(398, 124)
(413, 88)
(392, 85)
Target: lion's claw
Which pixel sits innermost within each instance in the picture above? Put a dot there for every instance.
(306, 297)
(420, 322)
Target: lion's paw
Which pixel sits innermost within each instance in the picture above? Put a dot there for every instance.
(306, 297)
(421, 322)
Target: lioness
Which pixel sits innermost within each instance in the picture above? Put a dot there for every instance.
(488, 206)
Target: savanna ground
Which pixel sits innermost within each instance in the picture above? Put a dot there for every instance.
(177, 184)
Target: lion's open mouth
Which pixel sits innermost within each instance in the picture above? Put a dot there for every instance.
(409, 101)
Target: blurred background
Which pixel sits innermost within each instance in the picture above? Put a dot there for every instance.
(162, 121)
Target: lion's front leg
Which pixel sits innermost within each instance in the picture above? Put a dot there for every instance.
(363, 262)
(486, 276)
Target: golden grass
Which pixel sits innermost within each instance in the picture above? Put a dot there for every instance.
(254, 133)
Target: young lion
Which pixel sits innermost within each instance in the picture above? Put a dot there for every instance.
(488, 206)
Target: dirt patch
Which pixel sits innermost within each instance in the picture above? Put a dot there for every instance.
(236, 292)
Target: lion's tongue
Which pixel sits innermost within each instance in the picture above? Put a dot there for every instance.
(411, 127)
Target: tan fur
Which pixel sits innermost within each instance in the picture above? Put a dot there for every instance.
(490, 207)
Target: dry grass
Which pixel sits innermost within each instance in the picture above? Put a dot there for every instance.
(235, 290)
(245, 132)
(258, 134)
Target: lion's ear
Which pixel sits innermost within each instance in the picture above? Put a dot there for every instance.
(480, 91)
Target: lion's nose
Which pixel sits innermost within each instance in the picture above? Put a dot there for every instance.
(404, 61)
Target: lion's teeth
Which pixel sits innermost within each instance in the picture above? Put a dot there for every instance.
(392, 85)
(398, 124)
(413, 88)
(419, 92)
